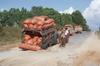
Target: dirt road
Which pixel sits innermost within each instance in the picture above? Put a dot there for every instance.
(83, 50)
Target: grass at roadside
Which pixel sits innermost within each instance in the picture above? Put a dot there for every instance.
(10, 35)
(98, 33)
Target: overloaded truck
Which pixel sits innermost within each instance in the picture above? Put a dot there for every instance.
(78, 29)
(38, 37)
(70, 29)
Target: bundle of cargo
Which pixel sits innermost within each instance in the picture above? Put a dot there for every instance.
(31, 42)
(38, 33)
(38, 23)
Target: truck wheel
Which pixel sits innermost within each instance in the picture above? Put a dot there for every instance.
(46, 46)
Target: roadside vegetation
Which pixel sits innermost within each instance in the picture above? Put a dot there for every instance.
(9, 35)
(11, 21)
(15, 17)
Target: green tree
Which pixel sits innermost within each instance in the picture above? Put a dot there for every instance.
(78, 19)
(51, 13)
(23, 13)
(4, 18)
(14, 16)
(36, 11)
(66, 19)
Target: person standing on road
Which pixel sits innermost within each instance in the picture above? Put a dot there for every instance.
(62, 39)
(59, 34)
(66, 35)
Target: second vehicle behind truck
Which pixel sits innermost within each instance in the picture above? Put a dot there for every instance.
(78, 29)
(70, 28)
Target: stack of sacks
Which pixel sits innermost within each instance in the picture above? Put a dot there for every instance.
(26, 23)
(38, 23)
(31, 43)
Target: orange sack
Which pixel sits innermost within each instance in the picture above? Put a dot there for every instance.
(35, 48)
(40, 40)
(25, 25)
(35, 26)
(45, 26)
(25, 46)
(36, 43)
(33, 21)
(40, 22)
(30, 42)
(44, 17)
(39, 18)
(49, 21)
(35, 38)
(40, 27)
(27, 37)
(31, 26)
(27, 21)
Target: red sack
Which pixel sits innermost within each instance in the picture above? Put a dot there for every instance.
(40, 27)
(25, 46)
(45, 26)
(35, 48)
(27, 37)
(51, 24)
(30, 42)
(48, 25)
(40, 22)
(49, 21)
(40, 40)
(25, 25)
(44, 17)
(39, 18)
(33, 21)
(31, 26)
(36, 43)
(35, 26)
(27, 21)
(35, 38)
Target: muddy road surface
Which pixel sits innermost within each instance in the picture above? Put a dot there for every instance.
(82, 50)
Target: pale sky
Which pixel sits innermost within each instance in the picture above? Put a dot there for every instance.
(89, 8)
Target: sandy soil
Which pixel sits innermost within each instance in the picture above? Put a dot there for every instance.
(8, 47)
(89, 52)
(76, 53)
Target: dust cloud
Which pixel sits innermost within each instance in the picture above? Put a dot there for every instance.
(89, 55)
